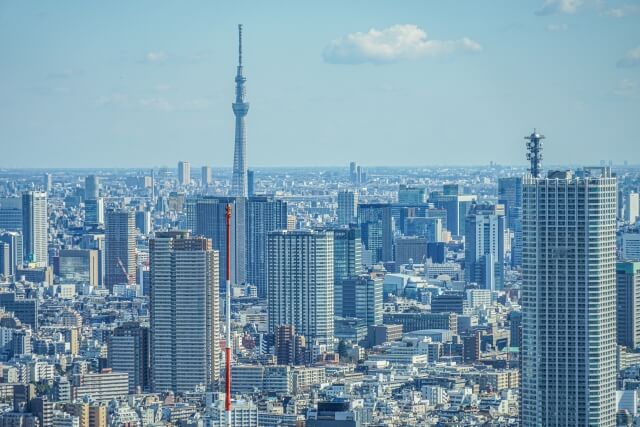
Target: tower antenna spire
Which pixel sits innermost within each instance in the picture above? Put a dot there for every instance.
(534, 152)
(240, 44)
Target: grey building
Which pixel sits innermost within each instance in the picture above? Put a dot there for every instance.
(360, 297)
(510, 195)
(13, 250)
(347, 207)
(128, 351)
(628, 303)
(568, 299)
(120, 247)
(376, 225)
(484, 246)
(184, 312)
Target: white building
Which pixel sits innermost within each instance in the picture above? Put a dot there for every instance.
(300, 282)
(569, 318)
(243, 414)
(35, 227)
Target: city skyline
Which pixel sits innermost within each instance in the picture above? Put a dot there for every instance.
(148, 98)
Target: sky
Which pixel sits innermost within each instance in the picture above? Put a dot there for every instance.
(383, 83)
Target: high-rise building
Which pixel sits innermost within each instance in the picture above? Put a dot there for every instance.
(128, 352)
(208, 219)
(47, 182)
(300, 282)
(510, 195)
(628, 303)
(411, 195)
(207, 176)
(79, 266)
(631, 207)
(360, 297)
(35, 225)
(143, 222)
(184, 172)
(429, 228)
(251, 183)
(91, 187)
(347, 252)
(484, 247)
(631, 246)
(289, 347)
(263, 214)
(456, 205)
(240, 110)
(353, 173)
(11, 213)
(410, 249)
(94, 212)
(13, 240)
(184, 312)
(120, 247)
(347, 207)
(376, 225)
(568, 299)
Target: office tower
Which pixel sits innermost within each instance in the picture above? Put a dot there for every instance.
(24, 309)
(11, 213)
(128, 351)
(35, 225)
(79, 266)
(361, 175)
(377, 230)
(484, 247)
(184, 172)
(250, 183)
(631, 207)
(437, 252)
(568, 299)
(263, 214)
(143, 222)
(184, 312)
(240, 110)
(207, 176)
(429, 228)
(289, 347)
(353, 172)
(411, 195)
(360, 297)
(5, 260)
(456, 205)
(628, 303)
(91, 187)
(347, 252)
(410, 249)
(13, 240)
(631, 246)
(120, 248)
(347, 207)
(208, 215)
(300, 282)
(510, 195)
(94, 212)
(47, 182)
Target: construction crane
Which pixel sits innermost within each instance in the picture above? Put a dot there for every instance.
(124, 270)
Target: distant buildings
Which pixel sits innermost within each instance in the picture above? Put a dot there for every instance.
(347, 207)
(568, 261)
(300, 282)
(377, 230)
(120, 247)
(484, 246)
(184, 172)
(510, 195)
(184, 312)
(206, 176)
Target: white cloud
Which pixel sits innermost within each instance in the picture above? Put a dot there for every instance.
(156, 57)
(560, 6)
(622, 11)
(626, 88)
(158, 104)
(557, 27)
(113, 100)
(392, 44)
(631, 59)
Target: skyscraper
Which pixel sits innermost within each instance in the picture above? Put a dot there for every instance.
(628, 303)
(411, 195)
(184, 312)
(456, 205)
(347, 207)
(240, 110)
(35, 225)
(568, 333)
(631, 207)
(377, 230)
(510, 195)
(184, 172)
(360, 297)
(208, 218)
(300, 282)
(263, 214)
(13, 240)
(207, 176)
(91, 187)
(484, 247)
(120, 247)
(47, 182)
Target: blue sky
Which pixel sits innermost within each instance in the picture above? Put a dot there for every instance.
(146, 83)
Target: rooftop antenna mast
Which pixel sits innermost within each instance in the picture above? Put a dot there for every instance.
(534, 152)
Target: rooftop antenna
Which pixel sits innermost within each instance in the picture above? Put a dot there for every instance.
(240, 45)
(534, 152)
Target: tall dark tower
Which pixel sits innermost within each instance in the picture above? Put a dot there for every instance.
(534, 152)
(240, 109)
